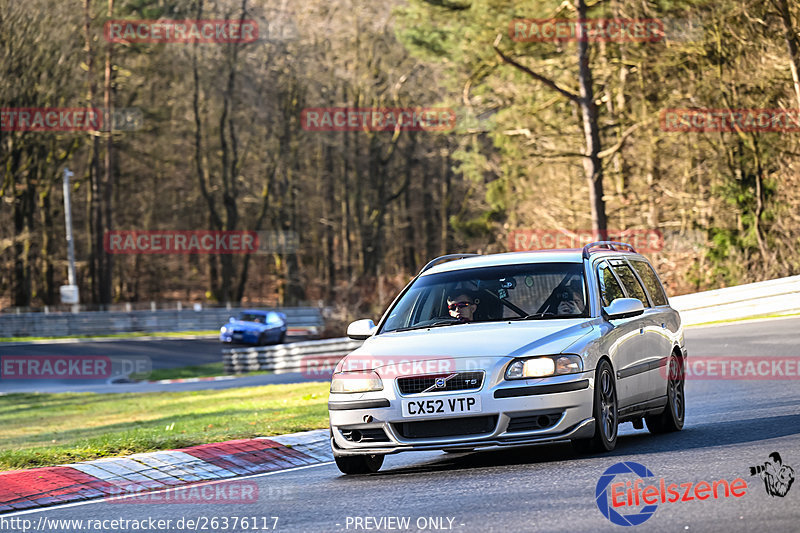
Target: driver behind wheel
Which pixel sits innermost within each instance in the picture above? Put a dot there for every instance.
(571, 300)
(461, 306)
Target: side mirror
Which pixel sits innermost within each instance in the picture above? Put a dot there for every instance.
(624, 308)
(231, 319)
(361, 329)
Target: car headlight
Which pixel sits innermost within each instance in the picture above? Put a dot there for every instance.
(359, 381)
(223, 329)
(540, 367)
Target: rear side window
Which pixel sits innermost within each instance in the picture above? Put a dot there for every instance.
(651, 283)
(609, 287)
(630, 282)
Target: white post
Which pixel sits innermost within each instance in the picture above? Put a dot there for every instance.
(69, 294)
(68, 216)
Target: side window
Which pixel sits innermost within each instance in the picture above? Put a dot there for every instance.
(609, 288)
(651, 283)
(632, 285)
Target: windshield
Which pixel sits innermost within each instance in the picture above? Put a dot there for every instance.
(509, 292)
(251, 317)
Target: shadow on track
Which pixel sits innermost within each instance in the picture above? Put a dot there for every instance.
(642, 442)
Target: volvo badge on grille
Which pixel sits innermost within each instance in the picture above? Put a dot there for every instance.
(440, 382)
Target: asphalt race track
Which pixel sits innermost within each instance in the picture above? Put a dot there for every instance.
(731, 426)
(156, 353)
(163, 353)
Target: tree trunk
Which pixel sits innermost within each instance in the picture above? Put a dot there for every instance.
(592, 165)
(48, 291)
(23, 210)
(792, 45)
(409, 257)
(328, 209)
(444, 206)
(108, 162)
(100, 283)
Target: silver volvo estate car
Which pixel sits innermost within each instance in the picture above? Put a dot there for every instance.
(512, 349)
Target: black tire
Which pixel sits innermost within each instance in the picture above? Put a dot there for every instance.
(606, 416)
(674, 414)
(282, 338)
(359, 464)
(263, 339)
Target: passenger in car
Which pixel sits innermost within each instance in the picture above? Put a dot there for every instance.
(461, 306)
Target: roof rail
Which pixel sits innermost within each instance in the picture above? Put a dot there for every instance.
(444, 258)
(611, 245)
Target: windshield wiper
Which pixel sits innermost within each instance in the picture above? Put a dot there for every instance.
(538, 316)
(434, 325)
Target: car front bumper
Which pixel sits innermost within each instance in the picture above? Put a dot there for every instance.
(512, 413)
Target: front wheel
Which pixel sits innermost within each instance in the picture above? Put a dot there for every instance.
(359, 464)
(671, 419)
(606, 420)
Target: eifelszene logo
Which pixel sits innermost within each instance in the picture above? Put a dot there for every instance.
(632, 494)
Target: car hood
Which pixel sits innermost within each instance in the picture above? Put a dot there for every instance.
(470, 341)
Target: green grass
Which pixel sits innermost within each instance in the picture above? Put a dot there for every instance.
(132, 334)
(51, 429)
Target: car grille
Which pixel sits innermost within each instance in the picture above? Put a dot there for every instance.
(461, 381)
(365, 435)
(533, 422)
(447, 427)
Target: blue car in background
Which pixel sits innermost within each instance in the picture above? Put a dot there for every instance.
(255, 327)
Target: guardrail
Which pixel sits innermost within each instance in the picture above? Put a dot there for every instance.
(308, 320)
(310, 357)
(742, 301)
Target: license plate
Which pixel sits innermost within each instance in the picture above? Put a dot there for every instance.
(238, 335)
(442, 405)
